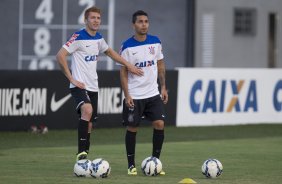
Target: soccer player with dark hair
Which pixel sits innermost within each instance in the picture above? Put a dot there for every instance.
(84, 47)
(142, 97)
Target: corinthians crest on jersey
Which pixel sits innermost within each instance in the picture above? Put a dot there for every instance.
(152, 50)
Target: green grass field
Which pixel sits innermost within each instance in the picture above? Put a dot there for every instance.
(250, 154)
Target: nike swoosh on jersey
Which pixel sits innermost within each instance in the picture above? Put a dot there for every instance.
(55, 105)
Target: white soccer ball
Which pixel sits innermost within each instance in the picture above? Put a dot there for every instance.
(100, 168)
(82, 168)
(212, 168)
(151, 166)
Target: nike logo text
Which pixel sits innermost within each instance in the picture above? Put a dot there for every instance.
(55, 105)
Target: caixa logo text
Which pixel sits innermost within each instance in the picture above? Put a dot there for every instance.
(90, 58)
(145, 64)
(223, 96)
(277, 102)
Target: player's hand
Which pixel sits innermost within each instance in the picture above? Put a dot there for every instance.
(129, 102)
(78, 84)
(134, 70)
(164, 96)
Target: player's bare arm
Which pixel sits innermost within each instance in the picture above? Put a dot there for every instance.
(62, 60)
(161, 76)
(131, 68)
(124, 85)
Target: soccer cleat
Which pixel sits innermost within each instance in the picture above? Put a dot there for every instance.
(132, 171)
(82, 155)
(162, 173)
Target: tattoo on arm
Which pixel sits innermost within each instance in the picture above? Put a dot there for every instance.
(123, 79)
(161, 72)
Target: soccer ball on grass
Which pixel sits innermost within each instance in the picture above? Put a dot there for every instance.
(151, 166)
(100, 168)
(82, 168)
(212, 168)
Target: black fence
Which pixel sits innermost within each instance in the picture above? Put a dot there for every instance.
(42, 98)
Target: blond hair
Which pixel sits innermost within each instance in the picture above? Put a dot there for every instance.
(91, 9)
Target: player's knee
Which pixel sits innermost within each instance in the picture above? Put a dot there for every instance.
(86, 111)
(159, 124)
(132, 129)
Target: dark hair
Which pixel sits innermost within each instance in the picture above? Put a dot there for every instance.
(91, 9)
(138, 13)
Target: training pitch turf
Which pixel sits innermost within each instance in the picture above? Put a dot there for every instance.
(250, 154)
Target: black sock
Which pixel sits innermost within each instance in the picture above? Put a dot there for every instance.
(87, 142)
(130, 141)
(82, 135)
(158, 139)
